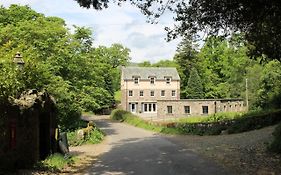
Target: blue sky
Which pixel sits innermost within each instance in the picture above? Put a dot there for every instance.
(125, 25)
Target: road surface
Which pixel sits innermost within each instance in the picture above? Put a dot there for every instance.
(135, 151)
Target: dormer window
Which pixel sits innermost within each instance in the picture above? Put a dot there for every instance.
(168, 80)
(136, 80)
(152, 80)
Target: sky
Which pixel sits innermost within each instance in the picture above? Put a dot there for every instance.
(125, 25)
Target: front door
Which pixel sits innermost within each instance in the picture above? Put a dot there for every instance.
(133, 107)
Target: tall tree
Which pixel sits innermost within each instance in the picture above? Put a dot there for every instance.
(194, 88)
(259, 20)
(186, 59)
(63, 63)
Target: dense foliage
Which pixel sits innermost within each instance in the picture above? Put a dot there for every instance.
(194, 88)
(223, 67)
(259, 20)
(80, 77)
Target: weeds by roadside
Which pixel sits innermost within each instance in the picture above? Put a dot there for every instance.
(55, 163)
(93, 137)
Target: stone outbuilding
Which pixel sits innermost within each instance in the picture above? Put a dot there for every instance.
(28, 130)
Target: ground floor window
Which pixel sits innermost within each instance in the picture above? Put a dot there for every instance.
(187, 109)
(205, 110)
(149, 107)
(169, 109)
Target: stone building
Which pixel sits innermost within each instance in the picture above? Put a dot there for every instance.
(156, 91)
(27, 130)
(142, 87)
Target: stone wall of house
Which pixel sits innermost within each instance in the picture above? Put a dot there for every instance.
(196, 107)
(146, 96)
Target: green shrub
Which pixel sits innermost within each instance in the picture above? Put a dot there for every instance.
(221, 116)
(256, 121)
(275, 146)
(119, 114)
(94, 137)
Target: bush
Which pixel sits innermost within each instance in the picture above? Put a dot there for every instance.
(222, 116)
(206, 128)
(119, 114)
(256, 121)
(275, 146)
(93, 137)
(217, 123)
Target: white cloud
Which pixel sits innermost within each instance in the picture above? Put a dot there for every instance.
(124, 25)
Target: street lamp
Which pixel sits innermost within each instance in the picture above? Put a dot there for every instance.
(19, 61)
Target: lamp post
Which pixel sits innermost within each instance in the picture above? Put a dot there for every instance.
(19, 61)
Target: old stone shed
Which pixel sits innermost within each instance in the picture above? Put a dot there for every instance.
(27, 130)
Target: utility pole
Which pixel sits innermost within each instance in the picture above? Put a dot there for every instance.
(247, 98)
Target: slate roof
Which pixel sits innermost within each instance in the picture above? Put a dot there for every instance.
(146, 72)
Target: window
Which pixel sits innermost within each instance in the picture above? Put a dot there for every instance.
(130, 93)
(169, 109)
(145, 107)
(152, 80)
(205, 109)
(173, 93)
(136, 80)
(152, 93)
(153, 107)
(168, 80)
(141, 93)
(162, 93)
(187, 109)
(149, 107)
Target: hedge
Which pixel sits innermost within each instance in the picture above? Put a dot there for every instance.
(231, 126)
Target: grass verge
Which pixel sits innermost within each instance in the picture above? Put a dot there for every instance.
(212, 125)
(125, 116)
(56, 162)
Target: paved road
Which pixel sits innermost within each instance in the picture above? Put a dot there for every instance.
(136, 151)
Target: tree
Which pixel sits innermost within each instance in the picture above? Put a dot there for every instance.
(259, 20)
(270, 91)
(186, 59)
(79, 76)
(194, 88)
(144, 64)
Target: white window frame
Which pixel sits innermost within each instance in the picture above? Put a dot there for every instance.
(152, 93)
(162, 93)
(152, 80)
(136, 80)
(141, 93)
(174, 93)
(149, 107)
(168, 80)
(130, 93)
(187, 109)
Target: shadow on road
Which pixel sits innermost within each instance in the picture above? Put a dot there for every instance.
(144, 153)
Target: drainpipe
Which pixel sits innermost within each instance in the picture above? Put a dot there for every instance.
(126, 95)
